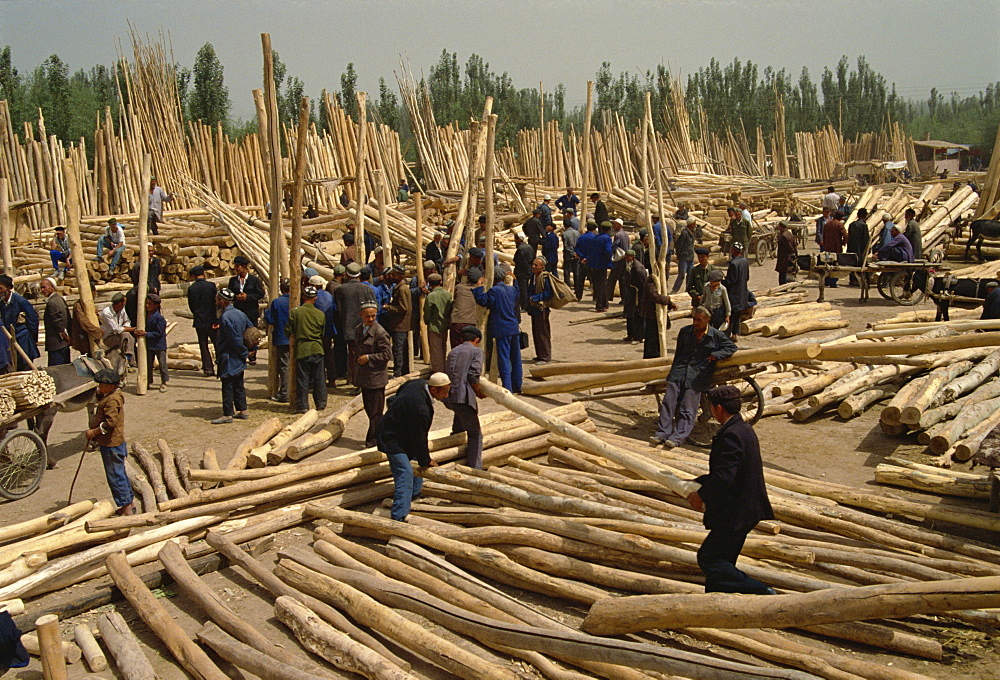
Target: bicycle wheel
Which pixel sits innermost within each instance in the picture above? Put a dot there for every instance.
(22, 464)
(900, 288)
(761, 252)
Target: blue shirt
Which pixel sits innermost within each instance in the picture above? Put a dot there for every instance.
(600, 256)
(584, 244)
(503, 302)
(25, 333)
(156, 332)
(550, 247)
(546, 214)
(276, 315)
(567, 202)
(326, 304)
(230, 352)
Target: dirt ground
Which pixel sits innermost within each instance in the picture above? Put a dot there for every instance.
(825, 447)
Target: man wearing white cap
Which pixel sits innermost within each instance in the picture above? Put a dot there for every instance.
(56, 322)
(402, 436)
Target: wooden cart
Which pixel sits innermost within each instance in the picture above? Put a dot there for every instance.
(22, 455)
(902, 282)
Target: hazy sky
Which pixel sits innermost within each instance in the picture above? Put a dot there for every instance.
(916, 44)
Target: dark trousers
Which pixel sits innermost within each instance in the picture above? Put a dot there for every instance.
(206, 337)
(151, 223)
(310, 377)
(281, 356)
(58, 357)
(522, 290)
(571, 269)
(455, 334)
(617, 269)
(541, 335)
(400, 353)
(599, 282)
(717, 558)
(552, 267)
(467, 420)
(783, 277)
(234, 394)
(339, 357)
(582, 275)
(635, 327)
(651, 339)
(161, 358)
(374, 401)
(329, 360)
(509, 361)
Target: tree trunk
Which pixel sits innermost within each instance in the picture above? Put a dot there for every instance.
(124, 647)
(92, 651)
(258, 437)
(148, 464)
(249, 659)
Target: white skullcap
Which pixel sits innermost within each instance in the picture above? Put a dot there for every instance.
(439, 380)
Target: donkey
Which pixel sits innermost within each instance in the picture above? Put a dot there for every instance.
(981, 229)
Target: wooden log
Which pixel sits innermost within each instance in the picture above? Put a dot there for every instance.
(969, 446)
(22, 567)
(817, 383)
(586, 440)
(191, 657)
(976, 376)
(964, 421)
(907, 347)
(326, 641)
(48, 645)
(258, 437)
(932, 483)
(915, 406)
(170, 476)
(48, 522)
(856, 404)
(261, 455)
(308, 444)
(69, 651)
(614, 616)
(71, 536)
(140, 485)
(210, 462)
(124, 647)
(249, 659)
(92, 651)
(278, 588)
(152, 472)
(935, 415)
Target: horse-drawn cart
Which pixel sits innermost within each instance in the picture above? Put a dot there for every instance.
(902, 282)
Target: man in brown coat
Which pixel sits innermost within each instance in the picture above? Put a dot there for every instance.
(397, 319)
(56, 319)
(82, 329)
(107, 431)
(371, 350)
(787, 252)
(834, 240)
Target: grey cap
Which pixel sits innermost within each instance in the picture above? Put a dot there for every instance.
(992, 284)
(715, 275)
(226, 294)
(339, 269)
(353, 269)
(309, 291)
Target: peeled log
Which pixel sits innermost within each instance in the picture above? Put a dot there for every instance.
(817, 383)
(963, 422)
(966, 448)
(618, 615)
(258, 437)
(587, 441)
(932, 483)
(308, 444)
(916, 405)
(856, 404)
(979, 374)
(258, 457)
(936, 415)
(906, 347)
(124, 647)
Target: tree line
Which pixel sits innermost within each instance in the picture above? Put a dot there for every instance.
(741, 95)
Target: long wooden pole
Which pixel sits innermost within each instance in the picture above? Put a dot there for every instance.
(383, 220)
(418, 203)
(662, 264)
(359, 178)
(76, 247)
(275, 264)
(295, 253)
(8, 257)
(541, 133)
(585, 189)
(142, 287)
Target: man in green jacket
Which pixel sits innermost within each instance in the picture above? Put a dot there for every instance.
(437, 315)
(698, 277)
(305, 328)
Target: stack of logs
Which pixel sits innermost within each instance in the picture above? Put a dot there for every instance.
(27, 389)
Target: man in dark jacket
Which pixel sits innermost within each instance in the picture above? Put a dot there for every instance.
(231, 357)
(201, 301)
(699, 346)
(550, 249)
(276, 316)
(524, 255)
(397, 319)
(599, 262)
(647, 310)
(584, 245)
(21, 321)
(349, 298)
(632, 283)
(155, 335)
(540, 287)
(787, 252)
(534, 231)
(858, 239)
(56, 321)
(737, 283)
(991, 306)
(600, 210)
(371, 350)
(402, 436)
(464, 367)
(684, 248)
(733, 496)
(248, 291)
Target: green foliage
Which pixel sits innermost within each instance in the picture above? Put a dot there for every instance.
(348, 95)
(388, 105)
(210, 98)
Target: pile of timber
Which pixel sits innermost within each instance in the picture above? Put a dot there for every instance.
(27, 389)
(8, 405)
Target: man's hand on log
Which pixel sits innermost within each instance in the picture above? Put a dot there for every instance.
(695, 500)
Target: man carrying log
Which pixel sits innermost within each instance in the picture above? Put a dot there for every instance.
(231, 357)
(307, 325)
(464, 368)
(371, 350)
(248, 291)
(402, 437)
(699, 347)
(107, 431)
(732, 495)
(201, 301)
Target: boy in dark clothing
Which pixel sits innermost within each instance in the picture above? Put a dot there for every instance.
(107, 430)
(156, 341)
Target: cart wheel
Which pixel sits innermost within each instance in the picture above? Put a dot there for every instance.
(751, 409)
(22, 464)
(761, 252)
(900, 289)
(882, 283)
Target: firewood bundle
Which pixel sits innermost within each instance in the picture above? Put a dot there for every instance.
(8, 405)
(28, 388)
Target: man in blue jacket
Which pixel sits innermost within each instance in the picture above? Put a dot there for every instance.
(699, 347)
(276, 316)
(550, 249)
(231, 357)
(582, 250)
(599, 262)
(402, 436)
(156, 341)
(733, 495)
(540, 292)
(21, 321)
(504, 327)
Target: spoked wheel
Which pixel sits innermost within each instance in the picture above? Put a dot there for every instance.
(882, 283)
(901, 289)
(761, 252)
(22, 464)
(751, 409)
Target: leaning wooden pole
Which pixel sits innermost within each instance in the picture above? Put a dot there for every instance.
(276, 253)
(587, 441)
(662, 266)
(295, 253)
(418, 204)
(142, 287)
(7, 253)
(585, 189)
(491, 135)
(360, 161)
(76, 247)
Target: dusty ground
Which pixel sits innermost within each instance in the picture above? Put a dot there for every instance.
(843, 452)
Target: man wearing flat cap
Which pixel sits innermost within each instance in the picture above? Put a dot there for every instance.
(155, 336)
(248, 291)
(306, 326)
(231, 357)
(370, 352)
(698, 276)
(402, 436)
(201, 301)
(398, 311)
(350, 296)
(699, 347)
(788, 251)
(991, 306)
(732, 495)
(464, 369)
